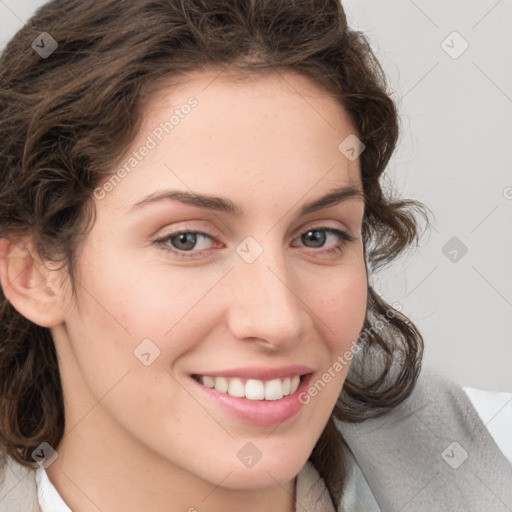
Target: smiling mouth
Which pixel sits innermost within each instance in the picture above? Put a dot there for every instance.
(251, 389)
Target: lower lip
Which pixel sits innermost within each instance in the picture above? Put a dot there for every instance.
(258, 412)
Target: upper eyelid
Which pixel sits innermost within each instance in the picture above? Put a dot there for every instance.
(318, 224)
(304, 226)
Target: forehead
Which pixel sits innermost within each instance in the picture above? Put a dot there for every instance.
(221, 87)
(278, 129)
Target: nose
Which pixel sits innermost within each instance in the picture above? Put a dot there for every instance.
(265, 304)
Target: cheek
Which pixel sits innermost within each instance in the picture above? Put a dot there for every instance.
(122, 357)
(131, 314)
(341, 304)
(341, 310)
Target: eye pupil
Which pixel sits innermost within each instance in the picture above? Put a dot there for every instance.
(189, 239)
(318, 237)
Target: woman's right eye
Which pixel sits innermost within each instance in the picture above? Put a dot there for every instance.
(182, 241)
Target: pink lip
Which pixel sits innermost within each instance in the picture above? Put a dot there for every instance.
(258, 412)
(260, 373)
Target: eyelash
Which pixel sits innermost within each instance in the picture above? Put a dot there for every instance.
(343, 239)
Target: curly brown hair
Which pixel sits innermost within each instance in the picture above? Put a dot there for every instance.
(68, 119)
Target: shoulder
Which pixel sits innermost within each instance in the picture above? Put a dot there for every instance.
(464, 408)
(18, 490)
(432, 448)
(440, 403)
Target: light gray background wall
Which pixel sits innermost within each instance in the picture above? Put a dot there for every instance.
(455, 155)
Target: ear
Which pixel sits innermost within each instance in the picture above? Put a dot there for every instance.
(28, 285)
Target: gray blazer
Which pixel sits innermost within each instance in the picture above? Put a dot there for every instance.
(431, 453)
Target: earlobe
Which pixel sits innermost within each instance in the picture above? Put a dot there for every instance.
(25, 284)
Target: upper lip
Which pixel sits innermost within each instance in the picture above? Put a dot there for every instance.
(260, 372)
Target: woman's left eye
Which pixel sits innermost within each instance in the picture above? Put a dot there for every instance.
(320, 235)
(182, 242)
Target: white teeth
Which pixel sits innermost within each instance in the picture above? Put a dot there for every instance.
(253, 389)
(236, 388)
(273, 389)
(294, 384)
(221, 384)
(286, 386)
(209, 382)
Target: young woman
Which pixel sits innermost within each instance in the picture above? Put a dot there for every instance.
(190, 215)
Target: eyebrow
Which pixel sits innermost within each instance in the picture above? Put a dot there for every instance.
(224, 205)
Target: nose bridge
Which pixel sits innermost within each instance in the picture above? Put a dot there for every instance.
(265, 298)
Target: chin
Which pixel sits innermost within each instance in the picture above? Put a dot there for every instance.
(261, 477)
(279, 467)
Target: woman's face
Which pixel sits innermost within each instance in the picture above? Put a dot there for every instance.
(264, 295)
